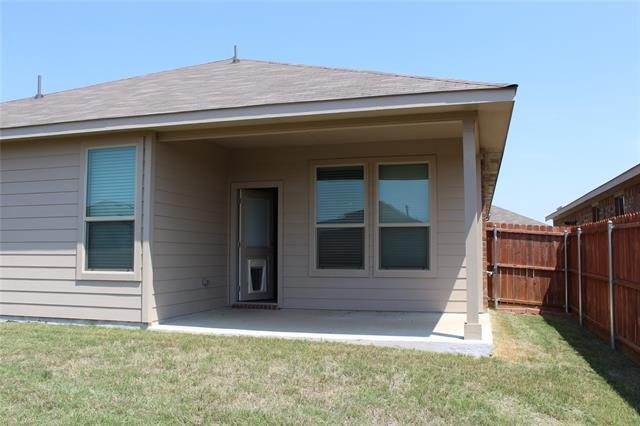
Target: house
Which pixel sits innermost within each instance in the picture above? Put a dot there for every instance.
(500, 215)
(618, 196)
(246, 181)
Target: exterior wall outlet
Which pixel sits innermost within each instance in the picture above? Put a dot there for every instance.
(205, 282)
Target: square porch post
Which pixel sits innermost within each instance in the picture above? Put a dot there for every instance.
(472, 328)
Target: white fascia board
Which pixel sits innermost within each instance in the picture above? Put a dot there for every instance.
(332, 107)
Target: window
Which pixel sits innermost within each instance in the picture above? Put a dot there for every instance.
(403, 219)
(340, 217)
(109, 211)
(595, 213)
(401, 231)
(619, 205)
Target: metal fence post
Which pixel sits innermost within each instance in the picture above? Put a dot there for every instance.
(611, 283)
(566, 274)
(496, 288)
(579, 277)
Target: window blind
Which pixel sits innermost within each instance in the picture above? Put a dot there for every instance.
(340, 195)
(111, 180)
(340, 248)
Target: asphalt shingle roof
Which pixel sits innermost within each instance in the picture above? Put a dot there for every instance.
(500, 215)
(218, 85)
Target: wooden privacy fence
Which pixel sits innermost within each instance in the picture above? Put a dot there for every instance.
(592, 271)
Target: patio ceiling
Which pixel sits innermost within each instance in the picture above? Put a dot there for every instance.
(438, 130)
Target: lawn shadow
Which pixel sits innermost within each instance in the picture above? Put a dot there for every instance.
(620, 372)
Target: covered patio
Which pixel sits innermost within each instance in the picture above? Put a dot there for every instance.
(426, 331)
(361, 226)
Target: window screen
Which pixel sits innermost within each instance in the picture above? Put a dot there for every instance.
(111, 181)
(340, 204)
(110, 208)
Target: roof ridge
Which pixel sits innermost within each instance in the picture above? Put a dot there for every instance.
(120, 79)
(355, 70)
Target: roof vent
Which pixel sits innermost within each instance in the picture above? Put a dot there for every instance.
(39, 93)
(235, 59)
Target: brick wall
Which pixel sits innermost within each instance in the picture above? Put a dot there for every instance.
(632, 199)
(606, 206)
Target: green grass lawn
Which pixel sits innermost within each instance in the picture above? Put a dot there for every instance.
(544, 371)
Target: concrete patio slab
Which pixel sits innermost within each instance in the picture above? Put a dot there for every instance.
(409, 330)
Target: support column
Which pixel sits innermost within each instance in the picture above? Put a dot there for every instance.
(148, 188)
(472, 328)
(479, 229)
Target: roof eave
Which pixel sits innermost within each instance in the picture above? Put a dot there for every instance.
(625, 176)
(271, 111)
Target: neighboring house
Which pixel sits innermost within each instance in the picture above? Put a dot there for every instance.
(238, 181)
(618, 196)
(500, 215)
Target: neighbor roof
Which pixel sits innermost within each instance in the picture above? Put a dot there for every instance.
(219, 85)
(498, 214)
(622, 178)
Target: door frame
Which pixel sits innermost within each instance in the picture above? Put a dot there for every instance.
(232, 282)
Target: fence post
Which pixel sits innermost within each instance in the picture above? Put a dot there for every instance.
(579, 278)
(566, 274)
(611, 294)
(496, 288)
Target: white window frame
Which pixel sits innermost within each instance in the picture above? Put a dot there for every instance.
(313, 260)
(82, 273)
(406, 273)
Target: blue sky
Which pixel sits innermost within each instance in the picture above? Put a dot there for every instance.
(577, 118)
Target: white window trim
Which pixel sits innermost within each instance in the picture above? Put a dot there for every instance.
(314, 271)
(90, 275)
(406, 273)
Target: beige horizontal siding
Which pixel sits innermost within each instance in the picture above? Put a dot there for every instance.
(444, 292)
(39, 223)
(28, 260)
(68, 286)
(190, 234)
(52, 210)
(39, 175)
(126, 301)
(30, 247)
(190, 229)
(70, 312)
(444, 284)
(39, 196)
(429, 305)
